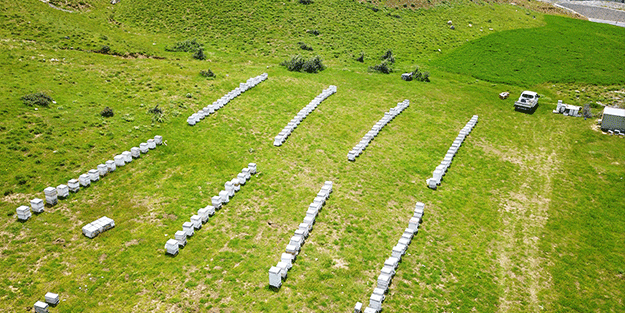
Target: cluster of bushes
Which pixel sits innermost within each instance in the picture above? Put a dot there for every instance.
(313, 32)
(199, 54)
(37, 99)
(306, 1)
(208, 74)
(157, 114)
(299, 64)
(386, 66)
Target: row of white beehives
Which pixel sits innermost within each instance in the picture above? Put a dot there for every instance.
(390, 265)
(98, 226)
(375, 130)
(221, 102)
(278, 273)
(188, 228)
(440, 170)
(301, 115)
(62, 191)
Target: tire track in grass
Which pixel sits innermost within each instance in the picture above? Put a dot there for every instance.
(523, 216)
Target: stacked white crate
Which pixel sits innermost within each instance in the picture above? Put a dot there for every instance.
(37, 205)
(52, 298)
(98, 226)
(301, 115)
(221, 102)
(171, 246)
(41, 307)
(279, 272)
(23, 213)
(203, 214)
(440, 170)
(390, 265)
(73, 185)
(375, 130)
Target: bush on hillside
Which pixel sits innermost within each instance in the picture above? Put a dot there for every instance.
(185, 46)
(306, 1)
(304, 46)
(38, 99)
(107, 112)
(313, 32)
(388, 57)
(299, 64)
(385, 67)
(421, 76)
(208, 74)
(157, 114)
(199, 55)
(361, 58)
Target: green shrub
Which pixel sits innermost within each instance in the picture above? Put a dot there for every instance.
(199, 55)
(299, 64)
(388, 56)
(361, 58)
(420, 76)
(38, 99)
(185, 46)
(208, 74)
(107, 112)
(313, 32)
(385, 67)
(304, 46)
(306, 1)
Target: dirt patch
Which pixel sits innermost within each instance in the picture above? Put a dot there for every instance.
(340, 263)
(130, 243)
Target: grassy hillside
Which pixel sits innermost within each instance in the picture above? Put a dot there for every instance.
(528, 218)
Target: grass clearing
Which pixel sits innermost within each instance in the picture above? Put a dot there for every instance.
(528, 218)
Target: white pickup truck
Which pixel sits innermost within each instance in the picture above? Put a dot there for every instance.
(527, 101)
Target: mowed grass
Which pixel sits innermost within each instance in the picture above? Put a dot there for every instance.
(565, 50)
(528, 216)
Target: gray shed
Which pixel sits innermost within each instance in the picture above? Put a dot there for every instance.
(613, 119)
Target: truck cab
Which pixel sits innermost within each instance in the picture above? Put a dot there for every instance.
(527, 101)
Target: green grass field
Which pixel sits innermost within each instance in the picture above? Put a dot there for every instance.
(529, 217)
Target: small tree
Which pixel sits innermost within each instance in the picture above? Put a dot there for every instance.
(199, 55)
(38, 99)
(107, 112)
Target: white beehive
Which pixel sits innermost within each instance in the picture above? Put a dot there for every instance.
(407, 237)
(37, 205)
(297, 241)
(110, 165)
(379, 291)
(384, 281)
(135, 152)
(301, 232)
(143, 147)
(119, 160)
(229, 189)
(196, 220)
(103, 169)
(51, 195)
(309, 220)
(151, 144)
(94, 175)
(127, 156)
(23, 213)
(392, 263)
(246, 172)
(358, 307)
(235, 183)
(225, 196)
(275, 277)
(216, 202)
(404, 241)
(171, 246)
(376, 301)
(370, 310)
(387, 270)
(431, 182)
(84, 180)
(188, 228)
(62, 191)
(41, 307)
(158, 139)
(181, 237)
(306, 227)
(73, 185)
(288, 259)
(312, 212)
(242, 179)
(204, 214)
(90, 230)
(398, 251)
(52, 298)
(252, 167)
(284, 269)
(291, 249)
(211, 210)
(413, 223)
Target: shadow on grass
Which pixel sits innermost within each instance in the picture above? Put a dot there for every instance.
(527, 111)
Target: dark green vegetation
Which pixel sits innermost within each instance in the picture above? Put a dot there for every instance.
(565, 50)
(529, 218)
